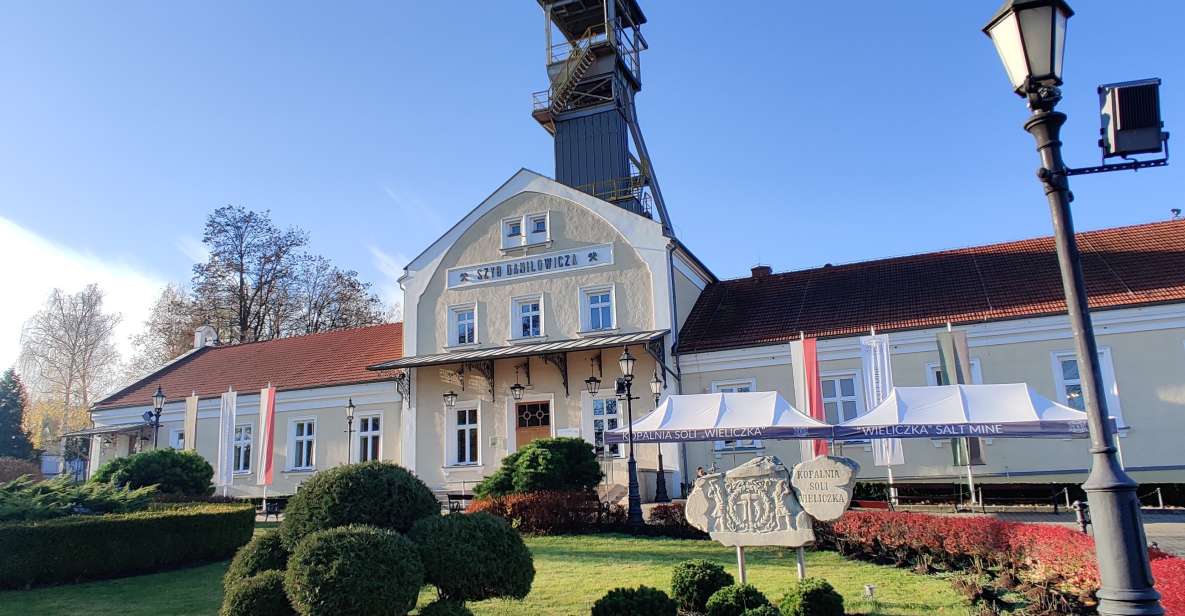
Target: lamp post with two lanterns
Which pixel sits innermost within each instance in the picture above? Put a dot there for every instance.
(152, 418)
(624, 392)
(1030, 37)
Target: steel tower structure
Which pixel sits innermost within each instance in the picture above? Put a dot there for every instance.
(595, 72)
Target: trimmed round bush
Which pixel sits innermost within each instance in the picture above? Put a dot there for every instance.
(260, 595)
(812, 597)
(734, 600)
(263, 553)
(562, 464)
(444, 607)
(694, 581)
(640, 601)
(473, 556)
(173, 472)
(378, 494)
(354, 571)
(765, 610)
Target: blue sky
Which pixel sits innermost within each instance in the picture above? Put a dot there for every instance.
(790, 133)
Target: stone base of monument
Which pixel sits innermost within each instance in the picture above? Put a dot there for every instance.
(761, 503)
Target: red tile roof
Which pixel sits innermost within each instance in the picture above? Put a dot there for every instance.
(1125, 266)
(300, 362)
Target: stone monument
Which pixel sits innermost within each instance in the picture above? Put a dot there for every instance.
(760, 503)
(752, 504)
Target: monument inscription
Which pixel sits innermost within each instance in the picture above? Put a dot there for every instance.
(824, 486)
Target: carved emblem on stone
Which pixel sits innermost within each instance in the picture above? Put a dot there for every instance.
(824, 485)
(752, 504)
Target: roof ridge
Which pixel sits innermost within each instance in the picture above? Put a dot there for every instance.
(961, 249)
(344, 330)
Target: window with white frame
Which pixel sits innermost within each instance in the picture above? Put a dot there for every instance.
(597, 312)
(841, 399)
(177, 439)
(740, 386)
(934, 373)
(526, 230)
(526, 320)
(462, 325)
(606, 416)
(241, 462)
(304, 444)
(466, 443)
(1069, 382)
(369, 438)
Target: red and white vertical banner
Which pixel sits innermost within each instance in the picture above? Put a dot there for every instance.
(808, 392)
(267, 435)
(226, 440)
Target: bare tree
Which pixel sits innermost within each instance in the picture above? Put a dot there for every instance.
(331, 298)
(241, 288)
(67, 356)
(167, 333)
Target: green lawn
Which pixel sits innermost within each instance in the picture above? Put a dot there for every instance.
(572, 572)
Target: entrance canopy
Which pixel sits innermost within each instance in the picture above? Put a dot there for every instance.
(948, 411)
(722, 416)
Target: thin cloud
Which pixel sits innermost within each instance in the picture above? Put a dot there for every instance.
(414, 208)
(38, 265)
(391, 267)
(193, 249)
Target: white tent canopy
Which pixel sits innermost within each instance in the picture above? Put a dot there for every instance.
(947, 411)
(723, 416)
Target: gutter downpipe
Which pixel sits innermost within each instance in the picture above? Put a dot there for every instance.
(674, 342)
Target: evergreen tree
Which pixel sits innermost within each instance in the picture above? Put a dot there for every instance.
(14, 440)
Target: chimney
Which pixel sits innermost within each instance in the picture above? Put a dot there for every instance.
(761, 271)
(205, 336)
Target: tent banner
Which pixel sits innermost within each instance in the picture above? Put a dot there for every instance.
(1023, 429)
(720, 434)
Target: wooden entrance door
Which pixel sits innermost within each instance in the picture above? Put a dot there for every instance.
(533, 420)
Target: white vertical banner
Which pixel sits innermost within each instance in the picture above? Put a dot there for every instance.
(878, 382)
(226, 440)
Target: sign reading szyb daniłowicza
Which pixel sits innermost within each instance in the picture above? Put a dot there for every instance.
(535, 265)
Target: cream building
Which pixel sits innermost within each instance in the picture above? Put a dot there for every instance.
(516, 316)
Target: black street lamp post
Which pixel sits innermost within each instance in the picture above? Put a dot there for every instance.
(1030, 38)
(350, 430)
(152, 418)
(624, 392)
(660, 491)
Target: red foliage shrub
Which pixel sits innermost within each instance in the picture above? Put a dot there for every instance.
(1169, 573)
(668, 514)
(545, 513)
(1054, 557)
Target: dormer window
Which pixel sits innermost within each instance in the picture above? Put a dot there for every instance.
(527, 230)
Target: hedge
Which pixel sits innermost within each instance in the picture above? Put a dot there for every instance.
(77, 548)
(1054, 566)
(552, 512)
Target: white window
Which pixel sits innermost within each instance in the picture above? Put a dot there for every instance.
(304, 444)
(934, 373)
(527, 230)
(741, 386)
(1069, 382)
(241, 462)
(465, 447)
(177, 439)
(462, 325)
(526, 317)
(605, 417)
(841, 399)
(369, 438)
(597, 312)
